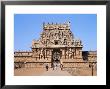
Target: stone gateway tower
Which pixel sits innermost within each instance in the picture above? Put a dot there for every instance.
(56, 46)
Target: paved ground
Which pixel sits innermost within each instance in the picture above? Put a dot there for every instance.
(57, 72)
(40, 72)
(51, 72)
(28, 71)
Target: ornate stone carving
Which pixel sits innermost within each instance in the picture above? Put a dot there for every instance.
(59, 37)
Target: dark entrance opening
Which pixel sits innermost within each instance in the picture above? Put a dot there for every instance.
(56, 42)
(56, 56)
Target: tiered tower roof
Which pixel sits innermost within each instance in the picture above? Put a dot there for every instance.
(56, 35)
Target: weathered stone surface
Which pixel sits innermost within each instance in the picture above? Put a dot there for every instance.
(57, 45)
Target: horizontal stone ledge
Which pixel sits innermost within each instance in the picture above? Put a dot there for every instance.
(32, 62)
(79, 62)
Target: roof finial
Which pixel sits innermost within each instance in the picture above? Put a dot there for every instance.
(68, 23)
(43, 24)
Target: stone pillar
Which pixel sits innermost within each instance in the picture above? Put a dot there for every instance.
(63, 53)
(68, 53)
(50, 55)
(45, 53)
(80, 54)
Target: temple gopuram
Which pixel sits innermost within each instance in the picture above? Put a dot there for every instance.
(57, 46)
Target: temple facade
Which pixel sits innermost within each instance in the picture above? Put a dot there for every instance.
(56, 45)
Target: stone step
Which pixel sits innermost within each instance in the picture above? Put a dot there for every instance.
(56, 72)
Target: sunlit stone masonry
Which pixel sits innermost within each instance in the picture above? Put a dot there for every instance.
(57, 45)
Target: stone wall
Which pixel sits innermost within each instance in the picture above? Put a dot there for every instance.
(89, 56)
(67, 61)
(57, 36)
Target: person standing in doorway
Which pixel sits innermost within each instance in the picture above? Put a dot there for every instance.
(61, 66)
(53, 66)
(47, 67)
